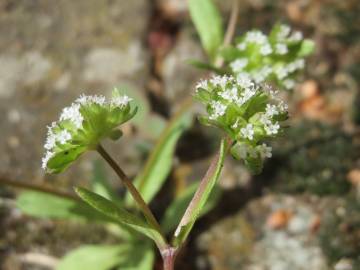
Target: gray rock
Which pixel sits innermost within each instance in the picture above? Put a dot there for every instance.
(179, 75)
(110, 65)
(245, 241)
(55, 53)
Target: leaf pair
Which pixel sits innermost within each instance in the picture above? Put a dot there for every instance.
(208, 23)
(112, 211)
(126, 256)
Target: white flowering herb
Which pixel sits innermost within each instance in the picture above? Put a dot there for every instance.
(248, 112)
(82, 126)
(275, 58)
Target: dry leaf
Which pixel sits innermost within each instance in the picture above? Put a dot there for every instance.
(279, 219)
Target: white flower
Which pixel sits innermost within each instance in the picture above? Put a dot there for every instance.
(120, 101)
(269, 89)
(272, 129)
(63, 136)
(266, 49)
(282, 106)
(243, 79)
(220, 80)
(256, 37)
(271, 110)
(219, 109)
(46, 158)
(264, 151)
(297, 64)
(236, 124)
(260, 75)
(100, 100)
(202, 84)
(84, 99)
(239, 64)
(300, 63)
(73, 114)
(281, 72)
(296, 36)
(241, 46)
(248, 132)
(50, 142)
(247, 94)
(283, 32)
(281, 48)
(230, 95)
(289, 84)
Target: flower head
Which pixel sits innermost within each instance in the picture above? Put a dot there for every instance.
(81, 126)
(248, 112)
(277, 57)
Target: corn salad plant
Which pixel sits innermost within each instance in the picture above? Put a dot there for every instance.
(238, 98)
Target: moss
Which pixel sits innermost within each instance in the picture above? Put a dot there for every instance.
(315, 158)
(340, 233)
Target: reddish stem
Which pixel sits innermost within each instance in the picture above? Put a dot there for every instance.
(169, 256)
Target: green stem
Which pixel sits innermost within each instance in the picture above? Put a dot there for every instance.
(230, 29)
(40, 188)
(193, 208)
(132, 189)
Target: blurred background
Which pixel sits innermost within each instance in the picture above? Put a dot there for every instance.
(302, 212)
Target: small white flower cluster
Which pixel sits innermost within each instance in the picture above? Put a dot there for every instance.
(248, 112)
(218, 109)
(272, 128)
(270, 49)
(238, 91)
(60, 135)
(248, 131)
(246, 151)
(284, 71)
(256, 37)
(285, 31)
(239, 64)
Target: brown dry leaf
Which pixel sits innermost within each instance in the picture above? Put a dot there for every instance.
(294, 11)
(354, 177)
(279, 219)
(315, 224)
(309, 89)
(315, 106)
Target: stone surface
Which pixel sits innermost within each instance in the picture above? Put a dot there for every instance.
(178, 74)
(50, 53)
(246, 241)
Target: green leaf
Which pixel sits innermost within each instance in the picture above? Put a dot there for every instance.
(45, 205)
(93, 257)
(115, 134)
(109, 209)
(230, 53)
(206, 66)
(255, 165)
(159, 163)
(153, 126)
(99, 182)
(207, 20)
(64, 159)
(307, 47)
(140, 101)
(178, 206)
(197, 204)
(139, 257)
